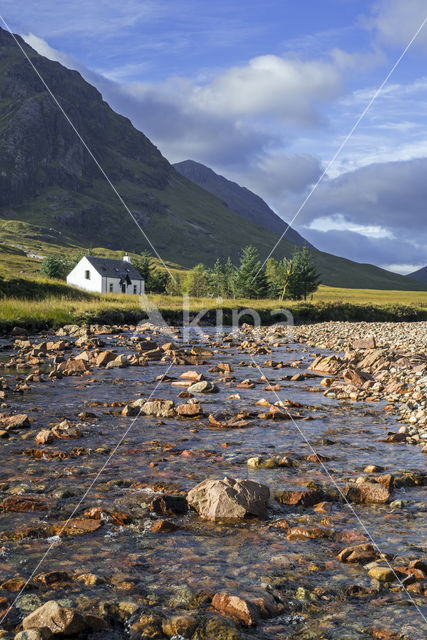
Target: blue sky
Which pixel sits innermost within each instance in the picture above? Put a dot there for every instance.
(264, 93)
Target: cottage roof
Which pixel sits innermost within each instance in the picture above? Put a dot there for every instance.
(110, 268)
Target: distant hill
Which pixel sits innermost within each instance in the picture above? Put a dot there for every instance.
(51, 190)
(420, 275)
(238, 199)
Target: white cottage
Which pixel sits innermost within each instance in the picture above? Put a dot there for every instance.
(105, 275)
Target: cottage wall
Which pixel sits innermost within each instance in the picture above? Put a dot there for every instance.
(77, 277)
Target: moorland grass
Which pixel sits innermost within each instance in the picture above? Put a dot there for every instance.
(50, 303)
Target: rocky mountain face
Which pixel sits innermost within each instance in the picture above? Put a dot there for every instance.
(38, 146)
(239, 199)
(50, 183)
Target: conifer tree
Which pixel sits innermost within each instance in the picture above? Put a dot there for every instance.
(250, 276)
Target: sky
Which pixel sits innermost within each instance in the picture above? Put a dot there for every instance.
(265, 93)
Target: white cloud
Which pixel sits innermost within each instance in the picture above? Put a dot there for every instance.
(269, 85)
(396, 21)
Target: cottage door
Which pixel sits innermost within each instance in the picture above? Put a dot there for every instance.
(123, 288)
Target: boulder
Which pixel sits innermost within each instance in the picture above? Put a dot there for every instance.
(204, 386)
(72, 367)
(382, 574)
(154, 407)
(19, 421)
(237, 608)
(367, 493)
(327, 364)
(364, 343)
(119, 362)
(356, 377)
(189, 410)
(60, 620)
(104, 358)
(358, 554)
(44, 437)
(229, 499)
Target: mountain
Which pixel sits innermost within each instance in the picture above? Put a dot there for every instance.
(51, 190)
(238, 199)
(420, 275)
(49, 180)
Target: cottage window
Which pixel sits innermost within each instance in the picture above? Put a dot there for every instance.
(111, 287)
(87, 274)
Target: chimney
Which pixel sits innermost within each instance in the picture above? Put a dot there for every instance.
(126, 258)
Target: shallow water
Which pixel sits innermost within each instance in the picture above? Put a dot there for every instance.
(174, 570)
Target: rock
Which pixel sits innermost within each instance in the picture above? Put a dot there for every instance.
(19, 421)
(14, 585)
(189, 410)
(367, 493)
(120, 362)
(149, 626)
(104, 358)
(154, 407)
(360, 554)
(77, 526)
(382, 574)
(356, 377)
(327, 364)
(169, 505)
(180, 625)
(72, 367)
(65, 431)
(164, 526)
(44, 437)
(90, 579)
(305, 498)
(52, 578)
(204, 386)
(216, 628)
(19, 331)
(34, 634)
(225, 420)
(364, 343)
(229, 499)
(237, 608)
(259, 462)
(27, 503)
(373, 468)
(303, 533)
(60, 620)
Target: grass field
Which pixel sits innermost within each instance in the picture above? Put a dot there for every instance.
(50, 303)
